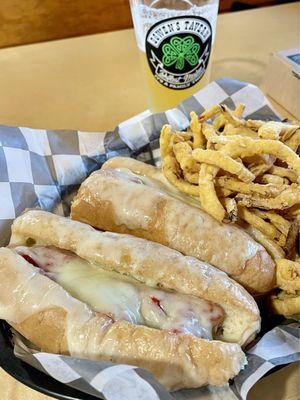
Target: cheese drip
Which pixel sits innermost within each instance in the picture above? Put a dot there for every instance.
(122, 297)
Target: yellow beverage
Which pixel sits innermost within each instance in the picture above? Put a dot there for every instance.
(175, 42)
(161, 98)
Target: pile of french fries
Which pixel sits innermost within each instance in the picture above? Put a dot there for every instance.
(242, 171)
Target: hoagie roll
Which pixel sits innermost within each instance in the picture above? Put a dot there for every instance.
(73, 290)
(128, 196)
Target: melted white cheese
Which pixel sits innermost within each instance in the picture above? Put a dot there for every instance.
(127, 174)
(122, 297)
(136, 207)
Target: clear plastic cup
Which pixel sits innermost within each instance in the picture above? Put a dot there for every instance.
(175, 40)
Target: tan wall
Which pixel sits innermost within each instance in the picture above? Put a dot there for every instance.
(30, 21)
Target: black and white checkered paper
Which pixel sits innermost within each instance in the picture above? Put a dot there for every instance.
(42, 168)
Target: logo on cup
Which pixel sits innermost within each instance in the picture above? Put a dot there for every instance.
(178, 50)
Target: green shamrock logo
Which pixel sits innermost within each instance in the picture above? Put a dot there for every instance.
(179, 50)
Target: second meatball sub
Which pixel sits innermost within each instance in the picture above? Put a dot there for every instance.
(55, 321)
(122, 297)
(136, 280)
(128, 196)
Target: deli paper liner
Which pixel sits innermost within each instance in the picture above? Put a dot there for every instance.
(42, 168)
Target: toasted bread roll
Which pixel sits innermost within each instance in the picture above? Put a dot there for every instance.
(128, 196)
(48, 316)
(146, 262)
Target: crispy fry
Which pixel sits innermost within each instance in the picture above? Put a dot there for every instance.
(241, 130)
(270, 130)
(254, 124)
(191, 177)
(231, 208)
(219, 123)
(288, 275)
(288, 131)
(210, 112)
(239, 109)
(294, 141)
(286, 199)
(274, 179)
(164, 141)
(265, 227)
(282, 224)
(190, 143)
(222, 192)
(276, 130)
(259, 169)
(229, 130)
(290, 246)
(273, 248)
(207, 194)
(259, 164)
(293, 212)
(231, 117)
(183, 154)
(245, 147)
(221, 139)
(209, 132)
(195, 127)
(172, 172)
(180, 137)
(223, 161)
(249, 188)
(283, 172)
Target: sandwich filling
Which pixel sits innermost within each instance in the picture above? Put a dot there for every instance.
(122, 297)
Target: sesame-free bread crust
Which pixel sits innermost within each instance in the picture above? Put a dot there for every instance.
(50, 318)
(147, 262)
(157, 211)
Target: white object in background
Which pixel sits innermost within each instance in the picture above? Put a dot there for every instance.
(283, 79)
